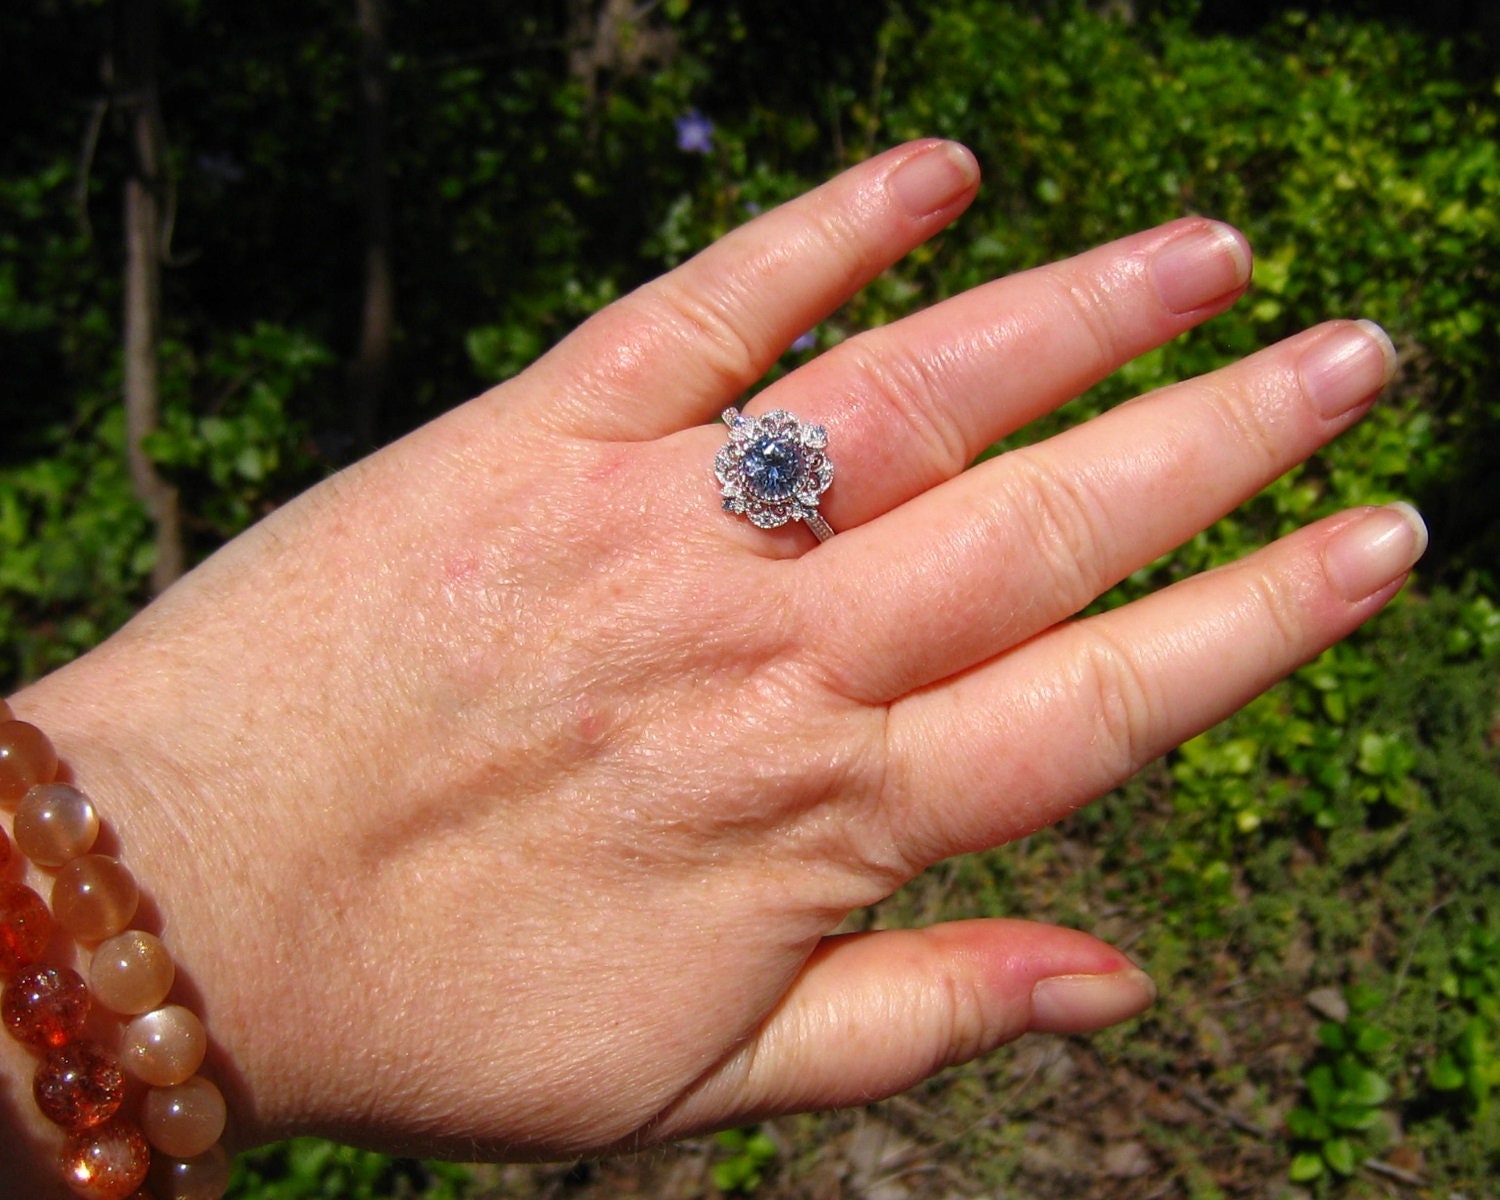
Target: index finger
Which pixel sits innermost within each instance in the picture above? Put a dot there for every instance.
(676, 351)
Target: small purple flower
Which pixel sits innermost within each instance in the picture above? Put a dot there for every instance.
(804, 343)
(695, 133)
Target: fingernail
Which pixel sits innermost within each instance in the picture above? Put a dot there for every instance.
(1347, 366)
(1080, 1003)
(1203, 264)
(1375, 550)
(934, 178)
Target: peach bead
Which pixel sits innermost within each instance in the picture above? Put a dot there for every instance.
(26, 759)
(184, 1120)
(107, 1163)
(45, 1006)
(203, 1177)
(94, 897)
(131, 972)
(25, 927)
(55, 823)
(78, 1086)
(165, 1046)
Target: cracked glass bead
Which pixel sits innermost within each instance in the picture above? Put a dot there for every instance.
(78, 1085)
(106, 1163)
(45, 1006)
(25, 927)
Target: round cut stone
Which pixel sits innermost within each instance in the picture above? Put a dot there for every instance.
(773, 465)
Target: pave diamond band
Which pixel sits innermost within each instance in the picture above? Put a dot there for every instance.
(774, 469)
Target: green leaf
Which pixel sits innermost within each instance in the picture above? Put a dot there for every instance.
(1306, 1167)
(1305, 1124)
(1340, 1155)
(1445, 1074)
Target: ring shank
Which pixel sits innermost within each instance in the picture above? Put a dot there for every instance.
(821, 529)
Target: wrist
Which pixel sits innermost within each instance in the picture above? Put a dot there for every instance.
(96, 1031)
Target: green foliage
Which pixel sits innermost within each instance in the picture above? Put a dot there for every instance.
(1346, 1091)
(1471, 1066)
(745, 1155)
(312, 1169)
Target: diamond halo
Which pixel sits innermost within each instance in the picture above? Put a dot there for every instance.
(774, 469)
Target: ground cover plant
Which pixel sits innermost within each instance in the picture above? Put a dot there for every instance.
(1313, 884)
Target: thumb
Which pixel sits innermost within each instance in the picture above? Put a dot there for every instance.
(875, 1013)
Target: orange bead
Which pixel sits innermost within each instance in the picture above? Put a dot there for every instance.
(164, 1047)
(25, 927)
(107, 1163)
(45, 1006)
(204, 1177)
(55, 823)
(26, 759)
(94, 897)
(131, 972)
(78, 1086)
(184, 1120)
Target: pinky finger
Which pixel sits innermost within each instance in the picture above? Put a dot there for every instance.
(873, 1014)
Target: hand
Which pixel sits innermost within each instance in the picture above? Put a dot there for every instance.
(499, 796)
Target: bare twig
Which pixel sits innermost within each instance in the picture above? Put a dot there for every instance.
(1212, 1107)
(1399, 1174)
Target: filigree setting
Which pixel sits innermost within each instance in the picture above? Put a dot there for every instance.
(773, 469)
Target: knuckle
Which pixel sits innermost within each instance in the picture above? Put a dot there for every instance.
(706, 321)
(909, 390)
(1276, 606)
(1066, 521)
(1248, 410)
(1090, 304)
(1128, 710)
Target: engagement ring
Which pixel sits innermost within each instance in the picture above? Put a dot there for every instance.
(774, 470)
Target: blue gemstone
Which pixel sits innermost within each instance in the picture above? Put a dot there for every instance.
(772, 466)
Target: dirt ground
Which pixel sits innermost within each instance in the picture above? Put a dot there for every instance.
(1048, 1117)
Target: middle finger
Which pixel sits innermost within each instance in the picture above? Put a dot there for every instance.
(1012, 547)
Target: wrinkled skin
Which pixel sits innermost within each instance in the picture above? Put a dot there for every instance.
(499, 796)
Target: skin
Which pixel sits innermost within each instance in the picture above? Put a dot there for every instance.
(499, 796)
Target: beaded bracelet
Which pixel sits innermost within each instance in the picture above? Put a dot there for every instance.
(79, 1085)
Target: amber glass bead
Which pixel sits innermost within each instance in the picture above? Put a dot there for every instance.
(203, 1177)
(45, 1006)
(165, 1046)
(4, 848)
(94, 897)
(184, 1120)
(25, 927)
(26, 759)
(5, 713)
(78, 1085)
(131, 972)
(55, 823)
(107, 1163)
